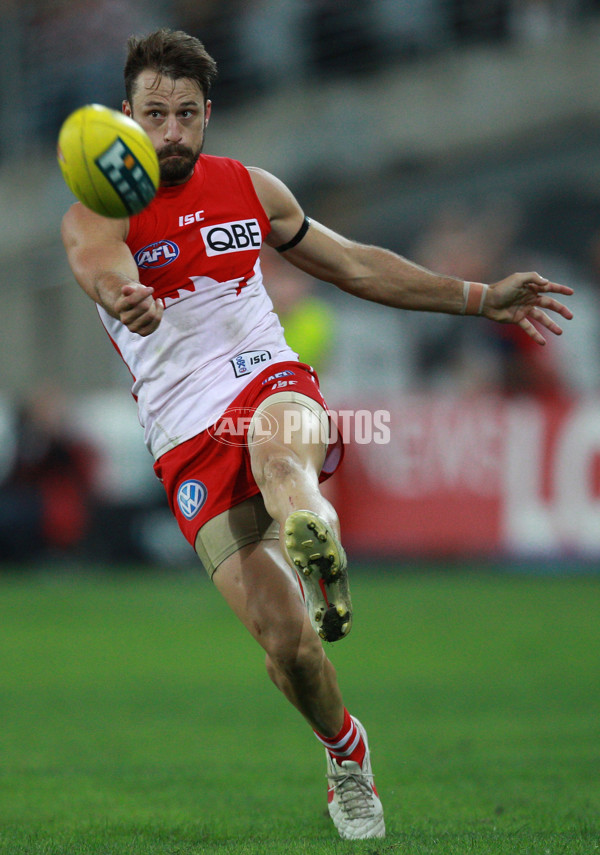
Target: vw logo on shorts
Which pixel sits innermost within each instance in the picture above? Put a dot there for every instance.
(191, 495)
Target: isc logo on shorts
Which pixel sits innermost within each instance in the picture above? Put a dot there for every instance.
(231, 237)
(191, 495)
(157, 254)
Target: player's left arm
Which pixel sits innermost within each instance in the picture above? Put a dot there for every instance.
(382, 276)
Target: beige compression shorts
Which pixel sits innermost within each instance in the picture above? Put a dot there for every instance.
(248, 522)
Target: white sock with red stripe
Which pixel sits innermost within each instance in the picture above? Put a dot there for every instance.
(348, 744)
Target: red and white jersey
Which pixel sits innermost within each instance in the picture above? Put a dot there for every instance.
(197, 244)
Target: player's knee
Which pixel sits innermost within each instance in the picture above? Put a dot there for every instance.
(276, 468)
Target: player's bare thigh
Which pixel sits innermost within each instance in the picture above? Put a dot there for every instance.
(240, 551)
(293, 427)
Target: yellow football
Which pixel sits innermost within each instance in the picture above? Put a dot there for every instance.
(108, 161)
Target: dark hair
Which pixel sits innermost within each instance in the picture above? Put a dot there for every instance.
(171, 53)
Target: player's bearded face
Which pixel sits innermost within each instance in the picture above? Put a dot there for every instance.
(176, 162)
(174, 113)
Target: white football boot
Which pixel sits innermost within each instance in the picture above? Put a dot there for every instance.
(316, 554)
(353, 803)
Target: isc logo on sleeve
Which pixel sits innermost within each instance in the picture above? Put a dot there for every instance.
(232, 237)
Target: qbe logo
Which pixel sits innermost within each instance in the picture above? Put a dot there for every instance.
(126, 175)
(191, 496)
(238, 236)
(157, 254)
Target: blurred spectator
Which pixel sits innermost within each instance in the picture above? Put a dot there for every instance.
(478, 245)
(541, 20)
(308, 320)
(75, 52)
(341, 38)
(406, 30)
(479, 20)
(557, 237)
(221, 26)
(271, 37)
(72, 50)
(470, 244)
(45, 498)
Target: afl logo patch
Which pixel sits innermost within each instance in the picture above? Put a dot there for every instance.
(157, 254)
(191, 496)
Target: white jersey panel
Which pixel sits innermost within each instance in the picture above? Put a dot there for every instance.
(210, 342)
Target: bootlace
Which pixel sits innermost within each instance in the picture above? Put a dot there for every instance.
(354, 791)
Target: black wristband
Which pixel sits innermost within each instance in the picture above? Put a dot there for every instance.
(297, 237)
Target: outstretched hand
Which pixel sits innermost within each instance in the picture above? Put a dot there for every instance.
(138, 310)
(522, 298)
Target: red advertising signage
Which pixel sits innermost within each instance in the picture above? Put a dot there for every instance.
(446, 476)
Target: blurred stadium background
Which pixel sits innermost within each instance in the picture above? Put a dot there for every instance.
(461, 133)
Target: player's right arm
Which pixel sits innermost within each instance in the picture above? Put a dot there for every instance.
(105, 269)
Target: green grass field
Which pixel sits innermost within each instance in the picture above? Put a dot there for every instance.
(135, 717)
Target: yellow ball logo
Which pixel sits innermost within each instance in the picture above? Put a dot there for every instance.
(108, 161)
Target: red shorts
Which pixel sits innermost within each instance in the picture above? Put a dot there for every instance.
(211, 472)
